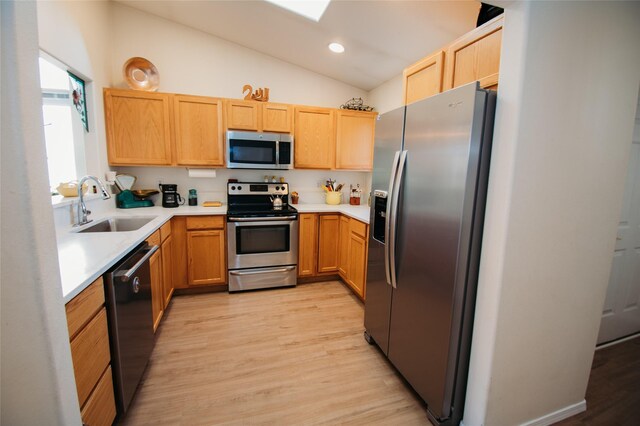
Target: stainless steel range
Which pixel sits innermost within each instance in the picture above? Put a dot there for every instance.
(262, 236)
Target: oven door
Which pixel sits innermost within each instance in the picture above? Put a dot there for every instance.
(262, 242)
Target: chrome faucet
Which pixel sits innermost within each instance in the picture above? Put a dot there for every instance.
(83, 213)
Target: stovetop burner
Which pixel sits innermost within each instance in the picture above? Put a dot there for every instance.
(254, 199)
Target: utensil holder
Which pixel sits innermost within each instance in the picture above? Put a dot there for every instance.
(333, 198)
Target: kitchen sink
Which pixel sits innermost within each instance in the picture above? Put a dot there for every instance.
(118, 224)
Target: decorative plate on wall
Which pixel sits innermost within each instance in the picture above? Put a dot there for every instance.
(141, 74)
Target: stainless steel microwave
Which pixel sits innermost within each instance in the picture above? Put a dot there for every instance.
(256, 150)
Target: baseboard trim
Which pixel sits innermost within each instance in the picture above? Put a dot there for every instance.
(615, 342)
(558, 415)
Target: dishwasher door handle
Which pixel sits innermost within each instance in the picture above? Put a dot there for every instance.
(126, 276)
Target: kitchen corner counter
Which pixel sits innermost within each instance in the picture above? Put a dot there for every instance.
(83, 257)
(360, 213)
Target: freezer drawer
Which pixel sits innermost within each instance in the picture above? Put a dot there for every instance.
(255, 278)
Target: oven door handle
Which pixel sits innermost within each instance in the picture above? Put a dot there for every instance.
(260, 219)
(263, 271)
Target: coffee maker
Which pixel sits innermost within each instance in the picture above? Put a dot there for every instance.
(170, 196)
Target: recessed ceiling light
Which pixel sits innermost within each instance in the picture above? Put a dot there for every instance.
(336, 47)
(310, 9)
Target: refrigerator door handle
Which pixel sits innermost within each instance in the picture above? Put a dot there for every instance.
(389, 217)
(394, 221)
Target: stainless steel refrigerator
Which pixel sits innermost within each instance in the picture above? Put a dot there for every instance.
(429, 182)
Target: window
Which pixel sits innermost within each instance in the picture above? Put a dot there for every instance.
(63, 129)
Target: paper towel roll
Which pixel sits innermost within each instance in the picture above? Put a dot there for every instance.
(202, 173)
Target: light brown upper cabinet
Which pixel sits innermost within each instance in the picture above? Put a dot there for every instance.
(424, 78)
(138, 127)
(198, 131)
(355, 132)
(314, 138)
(277, 118)
(259, 116)
(475, 56)
(243, 115)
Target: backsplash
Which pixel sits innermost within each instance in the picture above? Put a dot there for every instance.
(305, 182)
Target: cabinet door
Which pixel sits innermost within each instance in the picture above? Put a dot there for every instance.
(179, 248)
(475, 56)
(314, 141)
(206, 256)
(343, 250)
(198, 131)
(138, 127)
(100, 409)
(277, 118)
(167, 271)
(328, 242)
(424, 78)
(157, 304)
(357, 260)
(354, 140)
(308, 244)
(243, 115)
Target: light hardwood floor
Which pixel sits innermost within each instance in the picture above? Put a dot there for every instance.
(278, 357)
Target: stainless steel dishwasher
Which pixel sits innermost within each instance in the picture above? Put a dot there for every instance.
(128, 291)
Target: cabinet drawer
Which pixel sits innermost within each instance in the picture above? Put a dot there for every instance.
(84, 306)
(154, 239)
(90, 354)
(205, 222)
(358, 227)
(100, 409)
(165, 231)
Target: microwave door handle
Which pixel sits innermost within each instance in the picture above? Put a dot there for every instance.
(277, 153)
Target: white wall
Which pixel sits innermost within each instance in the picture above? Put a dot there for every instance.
(387, 96)
(193, 62)
(37, 374)
(96, 38)
(79, 34)
(569, 79)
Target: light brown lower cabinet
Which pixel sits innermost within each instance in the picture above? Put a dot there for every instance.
(100, 408)
(308, 244)
(343, 241)
(330, 243)
(357, 255)
(157, 294)
(167, 271)
(89, 340)
(206, 247)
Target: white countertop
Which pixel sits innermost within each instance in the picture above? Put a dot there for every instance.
(83, 257)
(357, 212)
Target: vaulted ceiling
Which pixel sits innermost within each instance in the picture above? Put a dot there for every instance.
(381, 38)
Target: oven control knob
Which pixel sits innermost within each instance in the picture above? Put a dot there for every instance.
(239, 188)
(277, 188)
(233, 188)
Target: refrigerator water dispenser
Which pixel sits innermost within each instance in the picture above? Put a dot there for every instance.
(380, 216)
